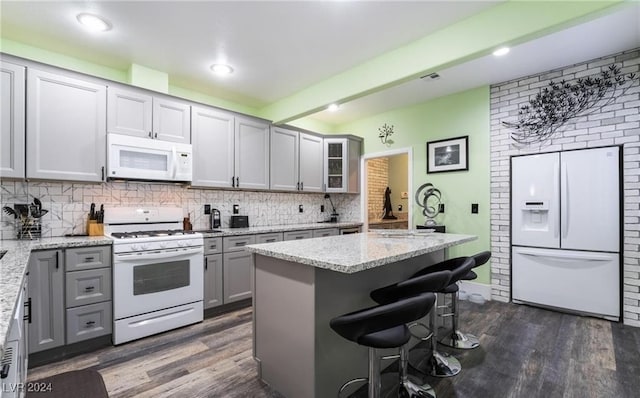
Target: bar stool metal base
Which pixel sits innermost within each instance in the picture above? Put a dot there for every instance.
(463, 341)
(444, 365)
(411, 389)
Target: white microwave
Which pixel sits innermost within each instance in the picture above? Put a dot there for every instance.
(148, 159)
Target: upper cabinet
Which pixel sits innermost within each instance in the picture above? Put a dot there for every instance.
(66, 135)
(12, 118)
(136, 113)
(229, 151)
(342, 165)
(296, 161)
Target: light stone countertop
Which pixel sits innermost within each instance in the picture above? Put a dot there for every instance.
(358, 252)
(13, 266)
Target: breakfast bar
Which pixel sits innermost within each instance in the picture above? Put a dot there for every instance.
(299, 286)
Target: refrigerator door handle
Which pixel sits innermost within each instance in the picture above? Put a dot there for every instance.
(566, 257)
(564, 201)
(556, 199)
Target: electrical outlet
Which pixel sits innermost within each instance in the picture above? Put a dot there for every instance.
(441, 207)
(236, 209)
(207, 209)
(321, 208)
(474, 208)
(404, 195)
(300, 208)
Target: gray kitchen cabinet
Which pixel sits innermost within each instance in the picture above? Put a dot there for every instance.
(229, 151)
(237, 269)
(15, 350)
(213, 277)
(88, 291)
(269, 238)
(46, 293)
(296, 235)
(296, 161)
(12, 120)
(212, 137)
(251, 153)
(319, 233)
(342, 165)
(134, 112)
(212, 246)
(237, 243)
(66, 127)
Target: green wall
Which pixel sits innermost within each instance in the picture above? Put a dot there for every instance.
(465, 113)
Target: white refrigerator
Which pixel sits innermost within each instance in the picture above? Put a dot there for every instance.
(565, 238)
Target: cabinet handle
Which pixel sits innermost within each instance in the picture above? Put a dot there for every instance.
(299, 237)
(89, 324)
(237, 182)
(102, 173)
(233, 182)
(4, 373)
(57, 259)
(241, 243)
(28, 305)
(89, 288)
(298, 186)
(150, 134)
(88, 259)
(155, 135)
(206, 263)
(270, 240)
(302, 186)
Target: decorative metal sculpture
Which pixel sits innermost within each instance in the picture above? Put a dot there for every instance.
(560, 102)
(430, 202)
(385, 133)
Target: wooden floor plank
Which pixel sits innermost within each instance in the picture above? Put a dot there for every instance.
(524, 352)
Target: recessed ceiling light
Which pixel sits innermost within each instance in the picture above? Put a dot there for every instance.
(221, 69)
(501, 51)
(333, 107)
(93, 22)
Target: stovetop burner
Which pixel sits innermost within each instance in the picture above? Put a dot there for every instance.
(151, 234)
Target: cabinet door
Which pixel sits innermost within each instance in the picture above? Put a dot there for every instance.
(311, 174)
(212, 280)
(251, 154)
(212, 137)
(66, 128)
(335, 164)
(46, 291)
(237, 276)
(89, 321)
(284, 159)
(12, 117)
(353, 167)
(128, 112)
(171, 120)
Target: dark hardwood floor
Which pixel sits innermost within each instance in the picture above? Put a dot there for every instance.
(524, 352)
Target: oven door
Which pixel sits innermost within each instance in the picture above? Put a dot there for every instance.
(146, 282)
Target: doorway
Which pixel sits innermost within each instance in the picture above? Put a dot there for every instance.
(392, 169)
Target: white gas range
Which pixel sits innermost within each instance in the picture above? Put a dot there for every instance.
(157, 271)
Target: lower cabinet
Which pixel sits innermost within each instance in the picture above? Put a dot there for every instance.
(46, 292)
(213, 280)
(86, 312)
(236, 270)
(15, 357)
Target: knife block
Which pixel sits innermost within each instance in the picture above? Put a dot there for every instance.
(94, 229)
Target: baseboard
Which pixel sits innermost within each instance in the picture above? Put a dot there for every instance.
(479, 288)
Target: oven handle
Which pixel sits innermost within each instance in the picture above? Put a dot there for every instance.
(155, 256)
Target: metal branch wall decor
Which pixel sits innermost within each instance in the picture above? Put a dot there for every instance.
(385, 133)
(559, 102)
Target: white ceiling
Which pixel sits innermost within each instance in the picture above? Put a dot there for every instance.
(279, 48)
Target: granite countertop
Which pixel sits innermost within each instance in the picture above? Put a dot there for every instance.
(13, 266)
(358, 252)
(277, 228)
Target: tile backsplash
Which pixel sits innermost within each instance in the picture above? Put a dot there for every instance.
(68, 204)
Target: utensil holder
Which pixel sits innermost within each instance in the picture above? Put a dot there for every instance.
(94, 229)
(29, 228)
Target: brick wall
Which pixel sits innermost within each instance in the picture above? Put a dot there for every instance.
(377, 182)
(615, 124)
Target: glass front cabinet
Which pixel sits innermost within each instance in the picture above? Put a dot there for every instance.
(342, 165)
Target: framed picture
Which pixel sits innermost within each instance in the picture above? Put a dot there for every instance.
(451, 154)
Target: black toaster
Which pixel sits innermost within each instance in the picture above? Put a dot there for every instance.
(239, 222)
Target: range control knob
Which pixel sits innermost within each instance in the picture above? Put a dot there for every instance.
(163, 245)
(144, 246)
(134, 247)
(182, 243)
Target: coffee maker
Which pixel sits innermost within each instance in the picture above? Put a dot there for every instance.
(215, 218)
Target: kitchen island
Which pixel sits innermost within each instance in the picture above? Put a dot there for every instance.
(299, 286)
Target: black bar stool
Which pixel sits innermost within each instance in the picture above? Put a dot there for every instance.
(443, 364)
(411, 287)
(383, 326)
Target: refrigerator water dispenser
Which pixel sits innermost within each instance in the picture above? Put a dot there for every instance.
(535, 215)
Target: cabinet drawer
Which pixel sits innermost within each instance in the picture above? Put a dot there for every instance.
(212, 246)
(236, 243)
(318, 233)
(269, 238)
(88, 287)
(88, 321)
(88, 258)
(293, 235)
